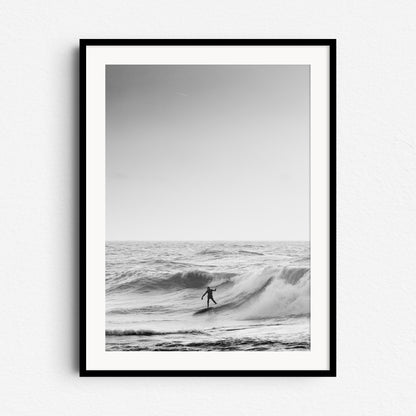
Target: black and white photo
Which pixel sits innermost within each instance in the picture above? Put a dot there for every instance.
(207, 186)
(207, 209)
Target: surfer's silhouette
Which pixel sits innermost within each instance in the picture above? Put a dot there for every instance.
(209, 297)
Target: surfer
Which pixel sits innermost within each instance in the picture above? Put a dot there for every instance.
(209, 297)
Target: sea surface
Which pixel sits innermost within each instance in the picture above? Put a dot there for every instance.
(154, 289)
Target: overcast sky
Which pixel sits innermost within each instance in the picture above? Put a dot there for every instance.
(215, 152)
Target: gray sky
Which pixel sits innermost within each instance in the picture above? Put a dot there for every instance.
(212, 152)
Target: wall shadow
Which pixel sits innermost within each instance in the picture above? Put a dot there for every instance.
(74, 208)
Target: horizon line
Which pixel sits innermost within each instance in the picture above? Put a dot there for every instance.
(220, 240)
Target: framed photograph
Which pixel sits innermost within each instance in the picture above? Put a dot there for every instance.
(208, 207)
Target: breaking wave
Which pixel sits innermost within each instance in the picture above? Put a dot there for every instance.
(193, 279)
(267, 293)
(270, 293)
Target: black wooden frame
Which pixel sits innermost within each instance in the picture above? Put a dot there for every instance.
(331, 372)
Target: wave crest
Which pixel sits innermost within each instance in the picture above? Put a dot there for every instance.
(286, 293)
(193, 279)
(269, 293)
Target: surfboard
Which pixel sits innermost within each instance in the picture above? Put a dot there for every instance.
(205, 310)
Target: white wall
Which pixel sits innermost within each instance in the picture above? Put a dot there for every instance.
(376, 203)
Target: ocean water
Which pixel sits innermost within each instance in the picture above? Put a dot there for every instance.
(154, 289)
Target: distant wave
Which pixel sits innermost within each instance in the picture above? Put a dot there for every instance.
(173, 263)
(210, 251)
(147, 332)
(304, 259)
(254, 253)
(218, 252)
